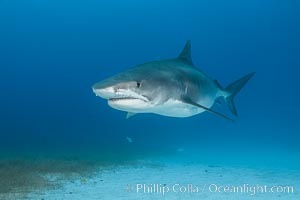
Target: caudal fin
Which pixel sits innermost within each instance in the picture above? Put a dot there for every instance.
(232, 89)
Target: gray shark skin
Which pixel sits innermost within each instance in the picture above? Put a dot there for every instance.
(172, 87)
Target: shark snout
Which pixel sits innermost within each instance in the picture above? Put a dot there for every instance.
(103, 92)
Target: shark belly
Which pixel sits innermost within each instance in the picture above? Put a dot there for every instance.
(176, 108)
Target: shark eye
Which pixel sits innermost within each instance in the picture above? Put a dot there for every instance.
(138, 84)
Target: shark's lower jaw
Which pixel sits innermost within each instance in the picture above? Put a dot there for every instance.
(129, 104)
(124, 98)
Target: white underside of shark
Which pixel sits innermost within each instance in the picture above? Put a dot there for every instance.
(170, 108)
(176, 108)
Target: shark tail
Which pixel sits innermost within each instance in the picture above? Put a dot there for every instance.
(232, 89)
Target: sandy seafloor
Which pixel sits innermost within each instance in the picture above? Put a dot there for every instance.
(121, 182)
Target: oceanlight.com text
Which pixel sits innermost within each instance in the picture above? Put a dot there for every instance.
(250, 189)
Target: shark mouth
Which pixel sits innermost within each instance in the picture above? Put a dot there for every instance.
(143, 98)
(130, 104)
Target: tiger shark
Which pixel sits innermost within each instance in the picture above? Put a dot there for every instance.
(171, 87)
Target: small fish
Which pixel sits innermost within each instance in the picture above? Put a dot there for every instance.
(129, 139)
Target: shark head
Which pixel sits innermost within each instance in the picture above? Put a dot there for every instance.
(153, 87)
(137, 90)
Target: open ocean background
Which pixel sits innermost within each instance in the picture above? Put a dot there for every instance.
(53, 51)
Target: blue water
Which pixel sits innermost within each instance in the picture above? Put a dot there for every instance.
(51, 52)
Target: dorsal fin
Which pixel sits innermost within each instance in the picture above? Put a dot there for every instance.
(185, 55)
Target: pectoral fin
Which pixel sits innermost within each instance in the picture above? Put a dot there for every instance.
(129, 114)
(189, 101)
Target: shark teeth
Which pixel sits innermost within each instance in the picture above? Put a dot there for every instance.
(121, 98)
(122, 94)
(128, 98)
